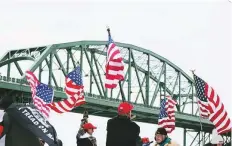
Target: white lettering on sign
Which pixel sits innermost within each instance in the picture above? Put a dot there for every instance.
(36, 118)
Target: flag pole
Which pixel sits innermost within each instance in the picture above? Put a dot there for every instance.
(120, 82)
(199, 109)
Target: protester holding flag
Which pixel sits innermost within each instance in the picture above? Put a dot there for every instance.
(84, 136)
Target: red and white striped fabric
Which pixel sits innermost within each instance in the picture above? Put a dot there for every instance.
(114, 66)
(42, 94)
(210, 106)
(74, 90)
(167, 114)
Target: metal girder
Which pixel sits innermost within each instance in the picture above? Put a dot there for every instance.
(60, 64)
(137, 74)
(17, 53)
(148, 80)
(18, 68)
(157, 87)
(41, 58)
(145, 112)
(51, 75)
(129, 66)
(139, 49)
(98, 72)
(8, 61)
(94, 76)
(185, 102)
(129, 76)
(91, 74)
(140, 91)
(126, 75)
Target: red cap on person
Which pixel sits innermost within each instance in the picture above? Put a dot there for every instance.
(89, 126)
(125, 108)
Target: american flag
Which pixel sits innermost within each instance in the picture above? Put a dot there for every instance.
(42, 94)
(167, 114)
(211, 107)
(74, 90)
(114, 65)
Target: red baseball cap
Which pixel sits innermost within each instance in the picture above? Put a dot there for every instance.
(89, 126)
(125, 108)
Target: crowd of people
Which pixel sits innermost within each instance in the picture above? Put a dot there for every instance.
(121, 131)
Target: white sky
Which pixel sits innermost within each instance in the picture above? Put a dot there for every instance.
(193, 35)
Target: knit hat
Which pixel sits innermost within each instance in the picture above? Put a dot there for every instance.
(161, 131)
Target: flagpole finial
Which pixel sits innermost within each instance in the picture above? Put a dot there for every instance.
(193, 71)
(108, 29)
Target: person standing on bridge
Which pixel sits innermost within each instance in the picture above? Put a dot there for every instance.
(162, 138)
(121, 131)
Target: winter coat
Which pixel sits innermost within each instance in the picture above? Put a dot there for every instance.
(16, 135)
(86, 140)
(121, 131)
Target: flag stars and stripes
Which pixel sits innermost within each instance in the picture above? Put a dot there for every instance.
(211, 107)
(114, 65)
(44, 92)
(167, 114)
(200, 89)
(74, 90)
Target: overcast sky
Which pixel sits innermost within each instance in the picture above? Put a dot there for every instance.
(193, 35)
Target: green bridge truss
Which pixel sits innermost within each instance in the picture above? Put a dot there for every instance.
(148, 77)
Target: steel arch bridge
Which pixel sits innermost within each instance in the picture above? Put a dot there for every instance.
(148, 77)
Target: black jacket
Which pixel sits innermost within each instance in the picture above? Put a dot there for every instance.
(17, 135)
(121, 131)
(84, 142)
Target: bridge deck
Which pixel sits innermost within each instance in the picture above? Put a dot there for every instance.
(107, 108)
